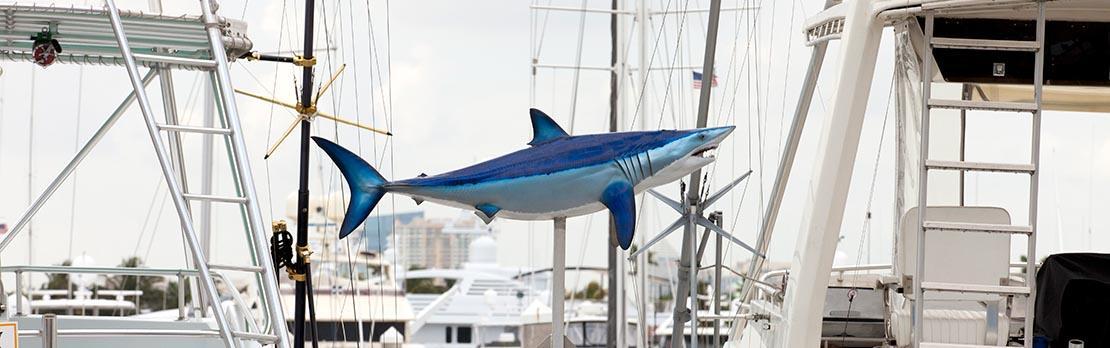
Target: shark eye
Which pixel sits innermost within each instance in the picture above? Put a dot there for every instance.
(701, 136)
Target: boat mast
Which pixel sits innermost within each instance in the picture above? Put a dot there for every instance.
(616, 314)
(687, 287)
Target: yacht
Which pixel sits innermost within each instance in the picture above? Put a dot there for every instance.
(356, 292)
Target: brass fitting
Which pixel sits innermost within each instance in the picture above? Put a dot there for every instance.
(304, 253)
(306, 111)
(293, 275)
(279, 226)
(300, 60)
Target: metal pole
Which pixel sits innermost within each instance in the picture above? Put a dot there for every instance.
(19, 293)
(816, 244)
(206, 171)
(302, 265)
(694, 191)
(1034, 180)
(965, 94)
(181, 313)
(693, 278)
(272, 299)
(30, 173)
(558, 283)
(718, 218)
(923, 189)
(206, 160)
(613, 336)
(167, 171)
(778, 191)
(49, 330)
(25, 219)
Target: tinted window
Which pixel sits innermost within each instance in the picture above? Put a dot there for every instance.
(464, 334)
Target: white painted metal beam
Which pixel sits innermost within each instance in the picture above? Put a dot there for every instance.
(813, 256)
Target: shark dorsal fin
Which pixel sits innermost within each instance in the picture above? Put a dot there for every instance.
(544, 129)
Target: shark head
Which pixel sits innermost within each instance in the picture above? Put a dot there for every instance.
(686, 152)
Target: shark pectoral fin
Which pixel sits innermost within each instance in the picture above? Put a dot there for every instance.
(486, 211)
(621, 201)
(544, 129)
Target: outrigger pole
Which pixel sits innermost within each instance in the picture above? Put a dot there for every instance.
(300, 270)
(303, 276)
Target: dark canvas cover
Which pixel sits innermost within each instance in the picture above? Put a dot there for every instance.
(1073, 299)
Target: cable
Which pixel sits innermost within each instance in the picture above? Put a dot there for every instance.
(577, 66)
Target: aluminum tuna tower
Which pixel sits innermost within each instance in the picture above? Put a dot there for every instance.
(162, 44)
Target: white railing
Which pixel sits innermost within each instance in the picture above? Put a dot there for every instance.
(242, 310)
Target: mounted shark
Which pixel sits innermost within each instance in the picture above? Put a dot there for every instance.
(558, 176)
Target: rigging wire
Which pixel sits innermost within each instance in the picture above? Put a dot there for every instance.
(76, 147)
(270, 117)
(670, 72)
(651, 61)
(577, 66)
(865, 230)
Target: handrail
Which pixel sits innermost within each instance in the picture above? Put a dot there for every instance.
(133, 271)
(151, 332)
(100, 270)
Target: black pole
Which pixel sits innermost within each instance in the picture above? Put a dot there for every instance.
(302, 266)
(614, 99)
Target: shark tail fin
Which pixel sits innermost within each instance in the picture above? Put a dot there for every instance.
(365, 182)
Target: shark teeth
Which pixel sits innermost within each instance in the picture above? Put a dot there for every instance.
(708, 152)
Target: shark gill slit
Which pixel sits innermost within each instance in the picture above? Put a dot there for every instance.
(632, 168)
(640, 163)
(623, 171)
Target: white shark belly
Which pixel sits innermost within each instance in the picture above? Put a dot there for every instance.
(561, 194)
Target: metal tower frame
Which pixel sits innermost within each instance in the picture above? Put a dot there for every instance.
(207, 43)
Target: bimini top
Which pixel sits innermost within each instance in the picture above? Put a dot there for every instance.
(86, 37)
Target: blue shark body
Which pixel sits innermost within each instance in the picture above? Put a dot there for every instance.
(557, 176)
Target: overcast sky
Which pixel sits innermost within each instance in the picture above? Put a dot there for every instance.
(452, 81)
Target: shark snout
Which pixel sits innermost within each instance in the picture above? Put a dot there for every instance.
(710, 138)
(718, 134)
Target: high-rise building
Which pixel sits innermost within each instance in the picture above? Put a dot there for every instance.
(437, 243)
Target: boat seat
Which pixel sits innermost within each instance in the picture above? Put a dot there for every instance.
(951, 326)
(954, 257)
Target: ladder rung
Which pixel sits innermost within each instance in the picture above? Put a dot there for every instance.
(982, 105)
(254, 269)
(982, 44)
(975, 288)
(954, 345)
(258, 337)
(973, 227)
(191, 129)
(980, 166)
(215, 198)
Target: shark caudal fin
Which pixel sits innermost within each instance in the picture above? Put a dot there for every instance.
(365, 182)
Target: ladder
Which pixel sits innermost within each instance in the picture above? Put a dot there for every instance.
(920, 286)
(172, 164)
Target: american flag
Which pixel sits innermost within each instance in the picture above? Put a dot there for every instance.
(697, 80)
